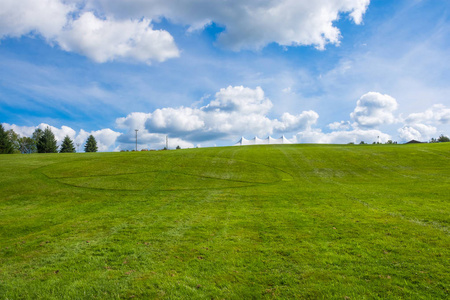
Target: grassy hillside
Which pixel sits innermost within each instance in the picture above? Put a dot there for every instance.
(287, 221)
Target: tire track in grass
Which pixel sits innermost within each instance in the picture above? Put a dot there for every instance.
(43, 174)
(146, 188)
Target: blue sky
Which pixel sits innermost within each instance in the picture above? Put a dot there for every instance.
(206, 73)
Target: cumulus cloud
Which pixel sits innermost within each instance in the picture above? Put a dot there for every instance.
(342, 137)
(124, 30)
(374, 109)
(436, 114)
(100, 39)
(105, 40)
(145, 139)
(418, 132)
(20, 130)
(342, 125)
(302, 121)
(105, 138)
(240, 99)
(249, 24)
(45, 17)
(133, 121)
(175, 120)
(234, 111)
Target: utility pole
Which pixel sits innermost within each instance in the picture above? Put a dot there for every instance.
(136, 137)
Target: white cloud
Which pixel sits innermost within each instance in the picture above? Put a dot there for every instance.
(137, 121)
(105, 138)
(181, 119)
(20, 130)
(174, 142)
(418, 132)
(342, 137)
(145, 139)
(302, 121)
(106, 40)
(374, 109)
(21, 17)
(101, 40)
(134, 121)
(342, 125)
(249, 24)
(234, 111)
(124, 30)
(240, 99)
(436, 114)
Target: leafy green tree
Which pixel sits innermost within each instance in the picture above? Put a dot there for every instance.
(47, 142)
(6, 147)
(91, 144)
(27, 145)
(442, 139)
(14, 139)
(67, 145)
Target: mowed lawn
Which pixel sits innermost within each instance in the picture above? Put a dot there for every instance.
(282, 221)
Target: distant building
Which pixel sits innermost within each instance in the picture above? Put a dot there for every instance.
(414, 142)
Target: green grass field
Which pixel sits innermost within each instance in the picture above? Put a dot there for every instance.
(287, 221)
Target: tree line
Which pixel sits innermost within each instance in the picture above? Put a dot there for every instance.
(42, 141)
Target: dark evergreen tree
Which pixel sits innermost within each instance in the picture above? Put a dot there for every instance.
(6, 146)
(47, 142)
(67, 145)
(37, 135)
(91, 144)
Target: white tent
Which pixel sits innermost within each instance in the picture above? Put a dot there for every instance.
(267, 141)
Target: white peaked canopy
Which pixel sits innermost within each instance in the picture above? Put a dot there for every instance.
(267, 141)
